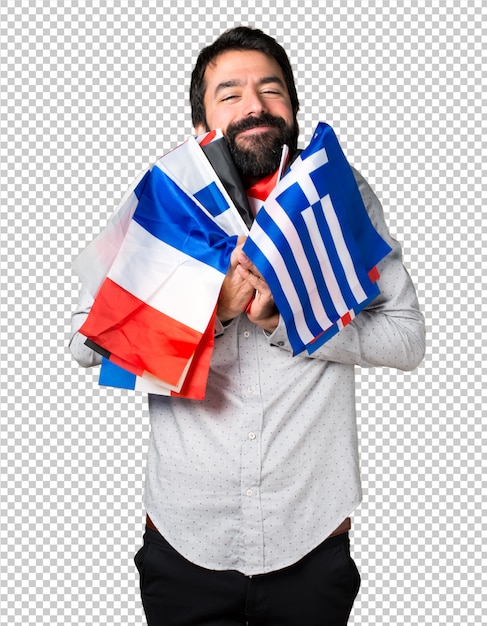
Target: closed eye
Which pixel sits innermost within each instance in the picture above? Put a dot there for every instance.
(227, 98)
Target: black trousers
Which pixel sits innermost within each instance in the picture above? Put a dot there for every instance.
(319, 590)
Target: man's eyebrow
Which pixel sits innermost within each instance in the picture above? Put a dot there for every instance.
(266, 80)
(227, 83)
(271, 79)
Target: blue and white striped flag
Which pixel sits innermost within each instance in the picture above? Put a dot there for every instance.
(315, 245)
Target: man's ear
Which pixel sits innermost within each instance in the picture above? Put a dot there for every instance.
(200, 129)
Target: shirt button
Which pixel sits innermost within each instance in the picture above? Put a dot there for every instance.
(250, 389)
(252, 435)
(246, 334)
(249, 492)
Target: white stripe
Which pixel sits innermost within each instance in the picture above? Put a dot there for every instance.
(179, 164)
(231, 222)
(309, 190)
(269, 250)
(141, 384)
(322, 253)
(150, 384)
(301, 170)
(172, 282)
(342, 249)
(300, 174)
(93, 264)
(189, 168)
(289, 231)
(310, 163)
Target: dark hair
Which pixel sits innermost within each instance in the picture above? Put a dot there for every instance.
(239, 38)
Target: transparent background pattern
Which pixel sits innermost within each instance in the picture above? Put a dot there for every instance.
(90, 94)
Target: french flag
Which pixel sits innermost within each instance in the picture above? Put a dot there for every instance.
(155, 308)
(315, 245)
(190, 169)
(193, 386)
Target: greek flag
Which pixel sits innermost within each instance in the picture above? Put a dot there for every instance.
(315, 245)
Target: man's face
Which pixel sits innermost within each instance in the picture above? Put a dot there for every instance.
(246, 96)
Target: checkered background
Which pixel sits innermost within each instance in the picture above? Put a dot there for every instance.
(90, 94)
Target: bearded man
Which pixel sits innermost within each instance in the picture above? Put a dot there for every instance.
(249, 492)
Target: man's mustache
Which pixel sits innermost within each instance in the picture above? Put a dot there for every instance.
(254, 122)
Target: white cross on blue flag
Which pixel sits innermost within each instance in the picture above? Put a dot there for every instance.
(315, 245)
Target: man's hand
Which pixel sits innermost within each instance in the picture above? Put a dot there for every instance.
(262, 310)
(244, 289)
(236, 292)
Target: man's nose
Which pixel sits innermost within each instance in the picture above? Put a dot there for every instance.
(253, 104)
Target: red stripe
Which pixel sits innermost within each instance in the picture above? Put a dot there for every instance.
(194, 386)
(209, 138)
(262, 188)
(374, 275)
(139, 337)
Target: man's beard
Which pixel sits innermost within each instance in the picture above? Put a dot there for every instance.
(259, 154)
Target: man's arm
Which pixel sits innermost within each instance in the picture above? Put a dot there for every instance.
(81, 353)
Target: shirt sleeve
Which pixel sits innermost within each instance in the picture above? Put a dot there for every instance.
(390, 331)
(85, 356)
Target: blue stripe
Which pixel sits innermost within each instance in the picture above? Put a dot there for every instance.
(336, 264)
(112, 375)
(333, 330)
(212, 199)
(254, 253)
(140, 187)
(316, 268)
(292, 200)
(169, 214)
(336, 178)
(282, 244)
(323, 338)
(326, 183)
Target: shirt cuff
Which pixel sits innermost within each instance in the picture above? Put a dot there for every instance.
(221, 326)
(279, 336)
